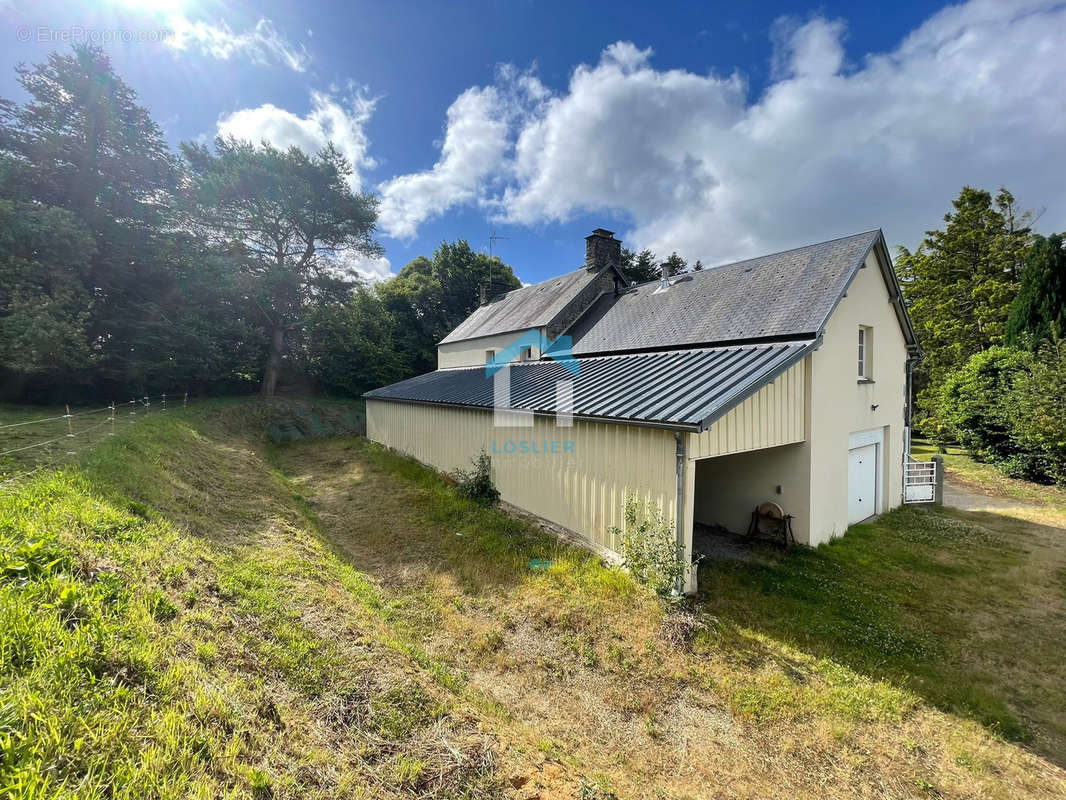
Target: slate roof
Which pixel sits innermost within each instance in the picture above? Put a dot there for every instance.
(686, 390)
(521, 309)
(789, 294)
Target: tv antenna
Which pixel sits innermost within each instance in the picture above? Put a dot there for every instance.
(493, 238)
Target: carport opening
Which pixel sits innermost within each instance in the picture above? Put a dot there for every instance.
(728, 488)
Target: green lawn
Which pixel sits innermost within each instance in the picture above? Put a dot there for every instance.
(986, 478)
(968, 610)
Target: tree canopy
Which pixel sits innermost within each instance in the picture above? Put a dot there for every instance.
(289, 221)
(1038, 313)
(431, 296)
(126, 268)
(961, 280)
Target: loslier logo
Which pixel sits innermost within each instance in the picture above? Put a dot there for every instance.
(524, 447)
(499, 369)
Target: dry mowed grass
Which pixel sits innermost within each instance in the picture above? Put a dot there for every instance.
(612, 694)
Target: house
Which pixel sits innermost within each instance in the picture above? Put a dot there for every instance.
(780, 378)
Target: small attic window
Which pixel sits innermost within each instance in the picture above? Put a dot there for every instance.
(526, 354)
(489, 355)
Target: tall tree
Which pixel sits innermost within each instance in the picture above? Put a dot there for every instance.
(292, 223)
(82, 143)
(1038, 313)
(44, 305)
(961, 280)
(431, 296)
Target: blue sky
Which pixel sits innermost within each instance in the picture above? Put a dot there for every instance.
(717, 130)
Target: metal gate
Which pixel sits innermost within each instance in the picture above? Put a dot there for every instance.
(919, 481)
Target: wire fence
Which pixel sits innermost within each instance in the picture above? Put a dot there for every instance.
(29, 446)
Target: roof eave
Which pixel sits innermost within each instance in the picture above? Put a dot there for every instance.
(643, 423)
(895, 292)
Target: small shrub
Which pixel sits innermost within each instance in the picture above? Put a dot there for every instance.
(476, 484)
(649, 548)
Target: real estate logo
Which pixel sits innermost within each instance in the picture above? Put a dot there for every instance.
(505, 415)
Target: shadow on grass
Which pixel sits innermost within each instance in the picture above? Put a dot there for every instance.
(950, 605)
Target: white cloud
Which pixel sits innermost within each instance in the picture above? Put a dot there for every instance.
(972, 96)
(262, 44)
(334, 117)
(370, 269)
(476, 141)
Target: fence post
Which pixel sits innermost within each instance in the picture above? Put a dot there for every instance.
(185, 401)
(70, 428)
(164, 401)
(112, 418)
(147, 403)
(938, 487)
(133, 409)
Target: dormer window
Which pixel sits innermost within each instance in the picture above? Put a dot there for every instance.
(865, 347)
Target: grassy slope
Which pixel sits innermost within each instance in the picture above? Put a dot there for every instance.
(194, 613)
(966, 610)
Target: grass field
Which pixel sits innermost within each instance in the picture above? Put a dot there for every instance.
(961, 467)
(191, 610)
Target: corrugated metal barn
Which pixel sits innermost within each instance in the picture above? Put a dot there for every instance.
(696, 394)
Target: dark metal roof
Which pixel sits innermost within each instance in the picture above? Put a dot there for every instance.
(521, 309)
(684, 390)
(779, 296)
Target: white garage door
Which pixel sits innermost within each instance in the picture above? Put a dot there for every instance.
(862, 482)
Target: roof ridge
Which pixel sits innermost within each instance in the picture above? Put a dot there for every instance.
(709, 270)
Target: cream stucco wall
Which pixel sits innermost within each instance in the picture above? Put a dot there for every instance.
(471, 352)
(841, 404)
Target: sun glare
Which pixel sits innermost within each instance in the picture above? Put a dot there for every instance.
(153, 6)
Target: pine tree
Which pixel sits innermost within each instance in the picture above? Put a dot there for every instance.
(961, 280)
(1038, 313)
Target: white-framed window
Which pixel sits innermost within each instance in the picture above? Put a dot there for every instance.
(865, 353)
(489, 355)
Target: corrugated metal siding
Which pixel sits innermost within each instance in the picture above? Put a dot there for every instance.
(773, 416)
(583, 491)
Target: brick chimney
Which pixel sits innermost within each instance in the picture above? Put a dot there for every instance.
(601, 249)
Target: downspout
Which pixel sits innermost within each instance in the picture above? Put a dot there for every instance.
(679, 524)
